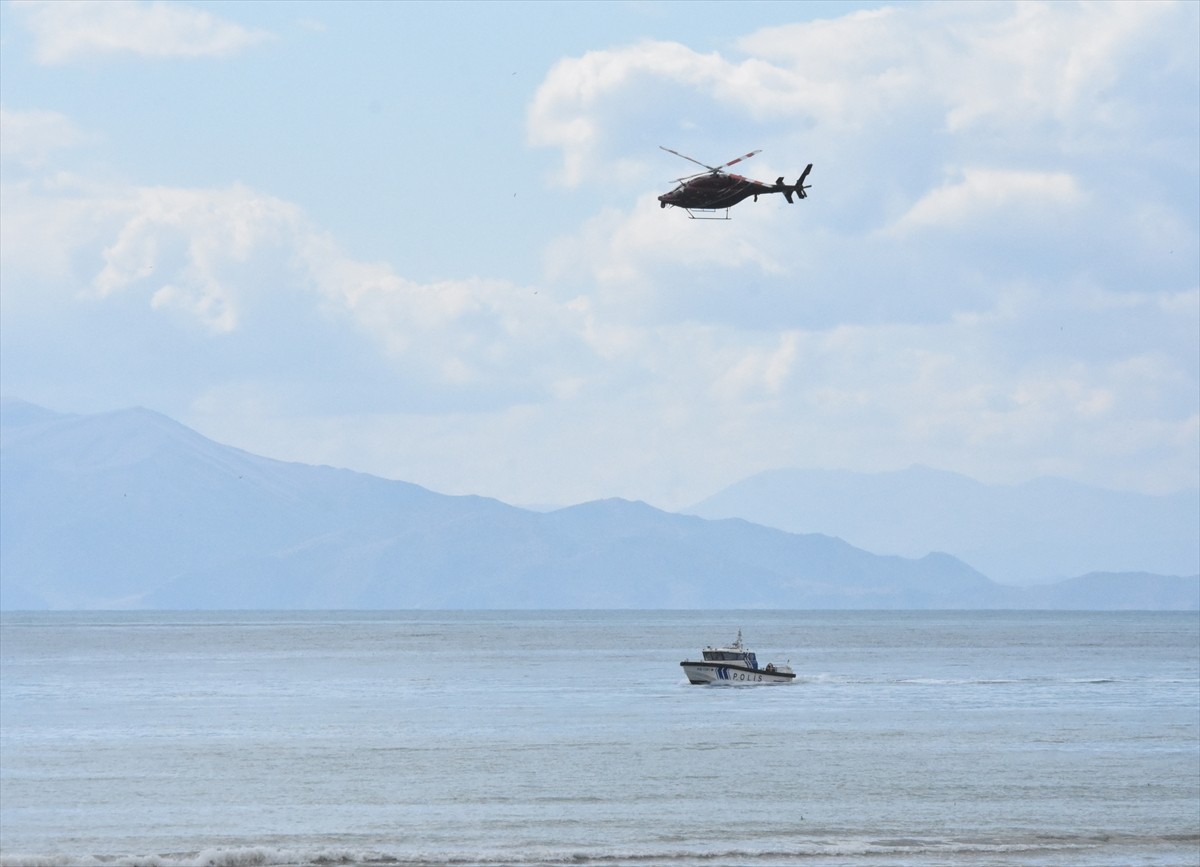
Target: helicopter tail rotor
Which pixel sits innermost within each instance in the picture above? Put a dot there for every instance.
(800, 187)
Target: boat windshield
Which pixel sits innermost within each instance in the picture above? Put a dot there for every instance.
(735, 652)
(728, 656)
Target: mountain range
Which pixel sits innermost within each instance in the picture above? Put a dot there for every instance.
(130, 509)
(1037, 532)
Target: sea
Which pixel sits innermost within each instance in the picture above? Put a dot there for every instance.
(202, 739)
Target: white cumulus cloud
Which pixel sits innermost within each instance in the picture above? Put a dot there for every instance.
(995, 272)
(1067, 76)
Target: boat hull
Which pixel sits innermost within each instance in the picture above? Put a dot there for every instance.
(727, 674)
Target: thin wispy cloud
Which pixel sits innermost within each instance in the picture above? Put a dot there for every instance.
(977, 195)
(66, 31)
(29, 138)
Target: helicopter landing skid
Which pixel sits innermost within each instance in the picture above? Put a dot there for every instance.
(702, 213)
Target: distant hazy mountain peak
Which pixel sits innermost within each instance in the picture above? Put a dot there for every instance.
(1037, 531)
(16, 413)
(611, 504)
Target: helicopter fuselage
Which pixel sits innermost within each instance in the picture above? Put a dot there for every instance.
(718, 190)
(715, 191)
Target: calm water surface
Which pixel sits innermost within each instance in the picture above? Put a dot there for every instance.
(548, 738)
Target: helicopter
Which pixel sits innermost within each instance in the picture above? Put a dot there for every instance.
(715, 189)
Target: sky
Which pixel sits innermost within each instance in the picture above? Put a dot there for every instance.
(422, 240)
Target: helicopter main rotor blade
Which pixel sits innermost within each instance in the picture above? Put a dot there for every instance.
(690, 160)
(689, 177)
(738, 160)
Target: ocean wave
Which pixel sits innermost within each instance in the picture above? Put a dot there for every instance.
(242, 856)
(1083, 849)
